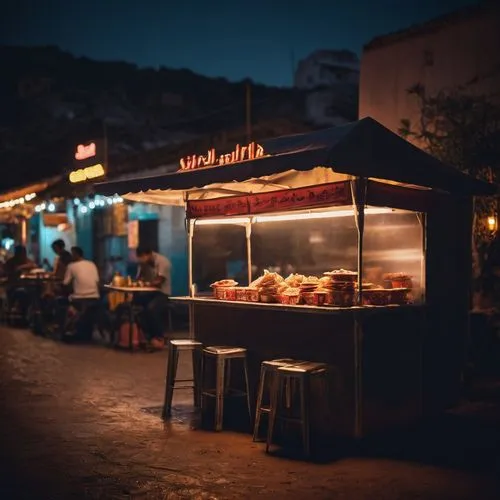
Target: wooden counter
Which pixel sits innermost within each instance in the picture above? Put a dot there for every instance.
(374, 354)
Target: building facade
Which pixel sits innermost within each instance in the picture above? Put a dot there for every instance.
(330, 80)
(460, 50)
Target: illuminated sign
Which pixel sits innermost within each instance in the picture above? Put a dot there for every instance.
(84, 174)
(240, 153)
(83, 152)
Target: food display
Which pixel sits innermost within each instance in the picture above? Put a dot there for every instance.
(337, 288)
(224, 289)
(398, 280)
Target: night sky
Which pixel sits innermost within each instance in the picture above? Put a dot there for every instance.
(234, 39)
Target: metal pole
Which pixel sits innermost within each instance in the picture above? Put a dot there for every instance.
(248, 229)
(191, 224)
(24, 232)
(358, 190)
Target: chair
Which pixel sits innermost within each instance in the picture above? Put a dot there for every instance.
(300, 373)
(223, 356)
(171, 378)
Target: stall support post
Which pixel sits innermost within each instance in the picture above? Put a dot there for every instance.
(358, 190)
(248, 232)
(190, 228)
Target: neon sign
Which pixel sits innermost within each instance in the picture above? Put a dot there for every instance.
(83, 152)
(84, 174)
(240, 153)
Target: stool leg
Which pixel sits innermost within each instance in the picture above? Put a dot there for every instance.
(260, 396)
(219, 393)
(227, 372)
(196, 360)
(169, 383)
(274, 396)
(304, 413)
(247, 389)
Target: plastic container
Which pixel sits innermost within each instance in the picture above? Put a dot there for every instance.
(252, 295)
(319, 298)
(307, 298)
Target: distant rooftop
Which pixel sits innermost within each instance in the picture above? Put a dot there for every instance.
(432, 25)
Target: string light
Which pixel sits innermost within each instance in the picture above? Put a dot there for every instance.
(17, 201)
(97, 202)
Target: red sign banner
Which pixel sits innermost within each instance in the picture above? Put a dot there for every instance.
(323, 195)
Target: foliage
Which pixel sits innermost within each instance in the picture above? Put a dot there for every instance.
(463, 130)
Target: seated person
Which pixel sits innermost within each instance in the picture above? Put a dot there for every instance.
(13, 269)
(82, 275)
(62, 260)
(156, 303)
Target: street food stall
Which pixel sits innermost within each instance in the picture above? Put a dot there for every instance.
(347, 246)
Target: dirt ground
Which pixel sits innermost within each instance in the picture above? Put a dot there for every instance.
(83, 422)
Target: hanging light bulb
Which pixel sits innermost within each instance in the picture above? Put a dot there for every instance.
(492, 223)
(91, 205)
(83, 209)
(51, 207)
(76, 201)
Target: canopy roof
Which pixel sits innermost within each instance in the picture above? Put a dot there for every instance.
(364, 148)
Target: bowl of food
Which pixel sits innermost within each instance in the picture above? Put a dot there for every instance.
(399, 280)
(342, 275)
(290, 296)
(219, 288)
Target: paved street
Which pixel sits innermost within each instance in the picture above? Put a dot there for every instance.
(83, 422)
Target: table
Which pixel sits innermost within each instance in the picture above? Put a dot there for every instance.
(131, 290)
(37, 281)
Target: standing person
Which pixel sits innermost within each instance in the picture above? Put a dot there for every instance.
(82, 275)
(157, 304)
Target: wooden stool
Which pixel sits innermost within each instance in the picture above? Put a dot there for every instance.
(223, 356)
(300, 373)
(171, 379)
(267, 371)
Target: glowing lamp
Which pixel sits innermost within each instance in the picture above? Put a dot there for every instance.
(492, 223)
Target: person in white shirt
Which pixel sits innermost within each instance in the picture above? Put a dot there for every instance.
(156, 304)
(83, 277)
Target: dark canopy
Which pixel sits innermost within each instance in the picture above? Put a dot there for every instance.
(364, 148)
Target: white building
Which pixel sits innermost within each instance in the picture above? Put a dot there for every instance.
(331, 80)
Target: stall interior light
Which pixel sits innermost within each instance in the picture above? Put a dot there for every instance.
(51, 207)
(320, 215)
(292, 216)
(226, 220)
